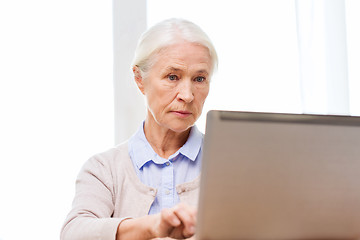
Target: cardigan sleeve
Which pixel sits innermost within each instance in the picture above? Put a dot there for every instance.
(93, 205)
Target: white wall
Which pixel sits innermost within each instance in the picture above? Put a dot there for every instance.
(56, 107)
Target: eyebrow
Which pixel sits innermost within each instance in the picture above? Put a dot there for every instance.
(170, 69)
(174, 69)
(202, 71)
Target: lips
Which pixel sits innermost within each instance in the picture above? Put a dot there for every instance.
(182, 114)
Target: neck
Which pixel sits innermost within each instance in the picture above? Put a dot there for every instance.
(164, 141)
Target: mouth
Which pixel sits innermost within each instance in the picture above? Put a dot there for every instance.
(182, 114)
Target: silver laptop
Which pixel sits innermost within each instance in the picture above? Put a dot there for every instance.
(280, 176)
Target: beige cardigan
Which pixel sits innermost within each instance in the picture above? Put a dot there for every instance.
(107, 191)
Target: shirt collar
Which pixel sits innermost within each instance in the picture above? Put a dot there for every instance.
(140, 149)
(142, 152)
(192, 146)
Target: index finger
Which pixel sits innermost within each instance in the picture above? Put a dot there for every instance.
(187, 216)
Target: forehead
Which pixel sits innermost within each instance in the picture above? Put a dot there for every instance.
(184, 55)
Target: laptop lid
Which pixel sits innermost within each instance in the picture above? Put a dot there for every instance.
(279, 176)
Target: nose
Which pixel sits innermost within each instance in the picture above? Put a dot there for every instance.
(186, 91)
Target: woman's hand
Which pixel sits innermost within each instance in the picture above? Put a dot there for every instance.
(177, 222)
(172, 223)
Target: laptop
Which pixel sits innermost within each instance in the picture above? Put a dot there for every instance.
(279, 176)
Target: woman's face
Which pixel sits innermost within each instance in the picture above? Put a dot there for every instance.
(177, 85)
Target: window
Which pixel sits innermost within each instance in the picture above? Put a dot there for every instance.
(353, 52)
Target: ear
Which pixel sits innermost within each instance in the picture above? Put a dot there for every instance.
(139, 79)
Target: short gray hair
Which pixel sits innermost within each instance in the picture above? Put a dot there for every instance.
(166, 33)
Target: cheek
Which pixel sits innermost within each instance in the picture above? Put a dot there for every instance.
(203, 93)
(200, 98)
(158, 100)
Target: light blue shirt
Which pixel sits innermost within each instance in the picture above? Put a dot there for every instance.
(165, 174)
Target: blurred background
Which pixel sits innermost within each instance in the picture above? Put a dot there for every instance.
(66, 89)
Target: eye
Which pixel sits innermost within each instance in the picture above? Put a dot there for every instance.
(200, 79)
(173, 77)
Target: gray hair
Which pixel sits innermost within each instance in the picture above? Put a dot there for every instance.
(166, 33)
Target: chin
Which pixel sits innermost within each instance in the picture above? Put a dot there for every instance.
(179, 128)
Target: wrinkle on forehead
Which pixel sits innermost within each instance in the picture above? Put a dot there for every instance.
(176, 55)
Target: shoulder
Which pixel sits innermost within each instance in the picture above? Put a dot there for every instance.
(114, 155)
(112, 160)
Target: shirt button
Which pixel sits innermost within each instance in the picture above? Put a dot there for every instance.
(167, 192)
(167, 164)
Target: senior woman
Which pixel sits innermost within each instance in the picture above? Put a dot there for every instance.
(147, 187)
